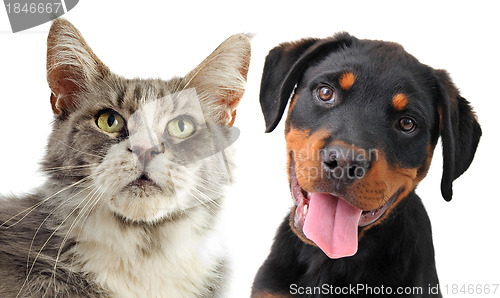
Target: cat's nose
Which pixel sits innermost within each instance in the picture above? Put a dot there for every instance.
(146, 154)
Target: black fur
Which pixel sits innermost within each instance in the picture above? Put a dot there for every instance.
(460, 132)
(398, 251)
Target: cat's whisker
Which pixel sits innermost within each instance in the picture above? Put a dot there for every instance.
(84, 213)
(33, 207)
(209, 185)
(92, 207)
(46, 218)
(75, 149)
(214, 171)
(219, 193)
(50, 237)
(70, 167)
(204, 199)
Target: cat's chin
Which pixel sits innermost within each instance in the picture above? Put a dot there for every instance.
(144, 221)
(142, 212)
(142, 201)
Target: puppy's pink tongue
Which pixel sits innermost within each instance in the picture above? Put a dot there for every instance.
(332, 224)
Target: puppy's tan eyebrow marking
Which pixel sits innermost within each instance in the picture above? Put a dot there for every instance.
(346, 80)
(399, 101)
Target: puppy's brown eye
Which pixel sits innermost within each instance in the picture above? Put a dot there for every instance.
(325, 93)
(406, 124)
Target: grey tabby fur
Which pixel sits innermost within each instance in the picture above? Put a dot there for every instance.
(114, 218)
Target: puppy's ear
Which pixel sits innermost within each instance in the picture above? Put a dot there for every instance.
(284, 67)
(459, 129)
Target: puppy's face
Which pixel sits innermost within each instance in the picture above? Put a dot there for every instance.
(361, 128)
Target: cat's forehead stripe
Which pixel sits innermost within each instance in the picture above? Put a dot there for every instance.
(120, 95)
(137, 91)
(161, 92)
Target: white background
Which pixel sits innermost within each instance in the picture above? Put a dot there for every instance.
(167, 38)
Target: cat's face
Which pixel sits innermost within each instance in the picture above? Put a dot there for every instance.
(145, 149)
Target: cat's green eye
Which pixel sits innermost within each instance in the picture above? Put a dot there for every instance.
(181, 127)
(110, 122)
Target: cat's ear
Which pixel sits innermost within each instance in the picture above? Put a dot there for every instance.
(221, 78)
(71, 66)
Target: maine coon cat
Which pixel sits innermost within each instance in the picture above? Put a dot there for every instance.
(136, 174)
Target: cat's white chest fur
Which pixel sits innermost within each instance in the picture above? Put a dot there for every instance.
(173, 260)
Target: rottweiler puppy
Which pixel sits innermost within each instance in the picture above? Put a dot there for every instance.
(363, 120)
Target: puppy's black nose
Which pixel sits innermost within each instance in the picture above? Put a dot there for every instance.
(344, 165)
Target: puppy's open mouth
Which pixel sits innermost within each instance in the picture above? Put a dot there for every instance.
(329, 220)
